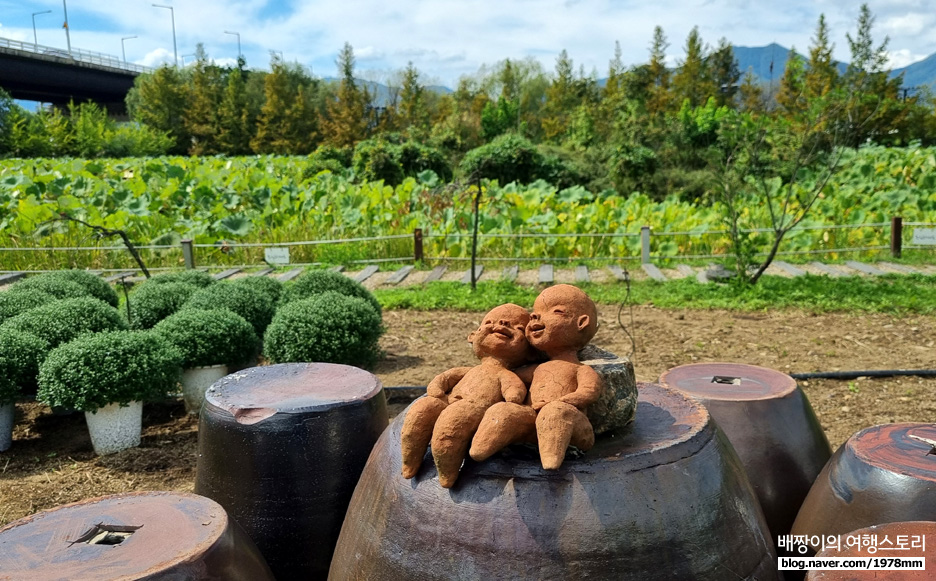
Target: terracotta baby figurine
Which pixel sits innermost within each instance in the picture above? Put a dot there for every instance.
(564, 320)
(459, 397)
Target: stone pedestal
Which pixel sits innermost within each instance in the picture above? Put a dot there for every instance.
(880, 475)
(281, 447)
(771, 425)
(667, 499)
(141, 535)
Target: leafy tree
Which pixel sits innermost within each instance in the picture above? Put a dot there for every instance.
(791, 94)
(413, 111)
(235, 129)
(658, 74)
(159, 100)
(725, 74)
(751, 94)
(693, 80)
(204, 98)
(561, 100)
(822, 73)
(348, 116)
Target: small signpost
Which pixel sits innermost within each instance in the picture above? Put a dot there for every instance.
(276, 255)
(924, 236)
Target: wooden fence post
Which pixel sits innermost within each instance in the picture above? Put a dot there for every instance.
(417, 245)
(896, 236)
(188, 253)
(645, 244)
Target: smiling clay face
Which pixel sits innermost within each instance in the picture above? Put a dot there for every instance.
(563, 318)
(502, 334)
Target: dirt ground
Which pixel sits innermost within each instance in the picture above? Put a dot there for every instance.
(51, 461)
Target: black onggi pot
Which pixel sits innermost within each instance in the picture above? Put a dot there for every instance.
(771, 425)
(281, 448)
(666, 500)
(165, 536)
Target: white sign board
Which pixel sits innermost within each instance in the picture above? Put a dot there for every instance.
(276, 255)
(925, 236)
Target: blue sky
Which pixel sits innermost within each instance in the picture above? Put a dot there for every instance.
(445, 38)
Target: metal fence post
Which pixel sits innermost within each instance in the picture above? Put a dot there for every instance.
(896, 236)
(645, 244)
(188, 253)
(417, 245)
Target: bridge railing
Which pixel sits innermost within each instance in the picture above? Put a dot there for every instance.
(77, 54)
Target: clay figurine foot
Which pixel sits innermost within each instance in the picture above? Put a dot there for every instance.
(503, 424)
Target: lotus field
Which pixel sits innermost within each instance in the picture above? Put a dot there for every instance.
(219, 201)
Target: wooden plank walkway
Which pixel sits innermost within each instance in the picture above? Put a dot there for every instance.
(581, 274)
(511, 272)
(702, 277)
(546, 273)
(436, 273)
(826, 269)
(653, 272)
(789, 268)
(226, 273)
(398, 276)
(619, 273)
(366, 273)
(290, 275)
(338, 268)
(263, 272)
(478, 271)
(865, 268)
(686, 270)
(120, 275)
(11, 277)
(900, 268)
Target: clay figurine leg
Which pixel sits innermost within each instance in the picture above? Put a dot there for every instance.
(451, 437)
(557, 425)
(503, 424)
(417, 431)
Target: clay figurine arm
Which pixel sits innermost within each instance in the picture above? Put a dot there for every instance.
(588, 390)
(512, 388)
(525, 373)
(443, 383)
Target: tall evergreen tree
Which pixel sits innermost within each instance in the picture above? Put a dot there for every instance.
(235, 129)
(348, 115)
(693, 81)
(791, 94)
(659, 97)
(413, 111)
(725, 74)
(822, 73)
(159, 100)
(200, 118)
(561, 99)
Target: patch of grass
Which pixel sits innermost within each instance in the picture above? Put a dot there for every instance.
(885, 294)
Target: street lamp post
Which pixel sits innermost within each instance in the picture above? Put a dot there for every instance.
(67, 33)
(36, 38)
(183, 58)
(123, 50)
(175, 50)
(237, 34)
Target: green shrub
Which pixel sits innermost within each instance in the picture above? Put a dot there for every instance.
(112, 367)
(269, 286)
(20, 355)
(95, 286)
(327, 157)
(198, 278)
(416, 158)
(316, 282)
(204, 338)
(61, 321)
(151, 303)
(242, 300)
(56, 286)
(508, 158)
(377, 159)
(328, 328)
(14, 303)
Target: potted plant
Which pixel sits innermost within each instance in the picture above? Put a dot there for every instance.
(108, 375)
(271, 287)
(15, 303)
(20, 354)
(243, 300)
(209, 342)
(316, 282)
(153, 302)
(327, 328)
(61, 321)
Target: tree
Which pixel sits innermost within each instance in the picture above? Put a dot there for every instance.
(725, 74)
(561, 99)
(822, 71)
(204, 98)
(693, 81)
(159, 100)
(751, 94)
(791, 94)
(235, 129)
(659, 96)
(348, 115)
(413, 111)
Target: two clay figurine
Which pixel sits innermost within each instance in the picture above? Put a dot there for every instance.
(489, 406)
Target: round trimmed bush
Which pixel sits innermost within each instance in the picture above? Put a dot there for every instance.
(95, 286)
(111, 367)
(210, 337)
(15, 303)
(61, 321)
(327, 328)
(272, 288)
(20, 355)
(59, 288)
(151, 303)
(241, 300)
(198, 278)
(317, 282)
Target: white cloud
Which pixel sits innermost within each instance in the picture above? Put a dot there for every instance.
(901, 58)
(157, 57)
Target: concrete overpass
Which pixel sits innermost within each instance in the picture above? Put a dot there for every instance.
(33, 72)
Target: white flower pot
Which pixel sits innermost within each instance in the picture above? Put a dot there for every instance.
(114, 428)
(196, 381)
(7, 413)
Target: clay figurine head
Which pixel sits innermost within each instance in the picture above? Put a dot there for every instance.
(502, 335)
(563, 319)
